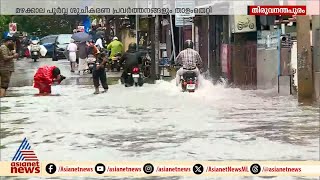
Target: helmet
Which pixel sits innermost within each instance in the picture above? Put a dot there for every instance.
(188, 44)
(115, 38)
(132, 46)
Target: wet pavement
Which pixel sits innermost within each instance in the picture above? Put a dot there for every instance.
(158, 122)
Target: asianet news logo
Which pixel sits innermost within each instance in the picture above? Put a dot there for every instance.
(25, 160)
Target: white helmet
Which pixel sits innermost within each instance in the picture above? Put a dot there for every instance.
(115, 38)
(34, 42)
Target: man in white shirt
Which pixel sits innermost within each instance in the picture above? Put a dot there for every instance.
(72, 49)
(99, 43)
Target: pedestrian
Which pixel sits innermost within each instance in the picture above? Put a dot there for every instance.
(18, 47)
(7, 57)
(25, 43)
(83, 55)
(72, 50)
(45, 77)
(99, 73)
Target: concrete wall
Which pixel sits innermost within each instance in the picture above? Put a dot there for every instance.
(267, 69)
(267, 59)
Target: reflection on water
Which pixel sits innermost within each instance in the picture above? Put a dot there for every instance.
(158, 122)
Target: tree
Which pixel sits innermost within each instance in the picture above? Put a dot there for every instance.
(52, 24)
(4, 23)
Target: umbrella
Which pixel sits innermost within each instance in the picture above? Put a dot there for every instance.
(81, 36)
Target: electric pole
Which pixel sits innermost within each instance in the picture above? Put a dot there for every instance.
(157, 48)
(153, 51)
(316, 55)
(305, 78)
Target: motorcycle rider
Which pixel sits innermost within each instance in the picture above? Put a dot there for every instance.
(189, 59)
(99, 43)
(115, 47)
(132, 58)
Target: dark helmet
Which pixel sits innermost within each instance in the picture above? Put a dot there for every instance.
(132, 46)
(188, 44)
(56, 72)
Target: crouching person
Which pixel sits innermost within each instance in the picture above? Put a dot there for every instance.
(45, 77)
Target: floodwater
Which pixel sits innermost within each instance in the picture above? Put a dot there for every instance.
(158, 122)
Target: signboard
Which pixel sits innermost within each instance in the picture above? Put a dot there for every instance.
(243, 24)
(162, 46)
(286, 41)
(267, 40)
(184, 19)
(81, 28)
(12, 28)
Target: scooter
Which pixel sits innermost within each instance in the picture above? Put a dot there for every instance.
(35, 55)
(189, 81)
(35, 50)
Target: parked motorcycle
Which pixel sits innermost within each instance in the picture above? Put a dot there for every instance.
(135, 78)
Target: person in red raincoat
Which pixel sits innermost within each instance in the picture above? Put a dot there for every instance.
(45, 77)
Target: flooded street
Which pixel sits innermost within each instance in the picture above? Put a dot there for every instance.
(158, 122)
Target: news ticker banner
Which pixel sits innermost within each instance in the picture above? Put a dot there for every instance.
(158, 7)
(141, 169)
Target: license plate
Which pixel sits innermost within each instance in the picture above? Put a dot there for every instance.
(35, 53)
(135, 75)
(191, 86)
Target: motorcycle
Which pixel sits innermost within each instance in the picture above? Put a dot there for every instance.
(134, 77)
(189, 81)
(35, 50)
(35, 55)
(115, 62)
(91, 62)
